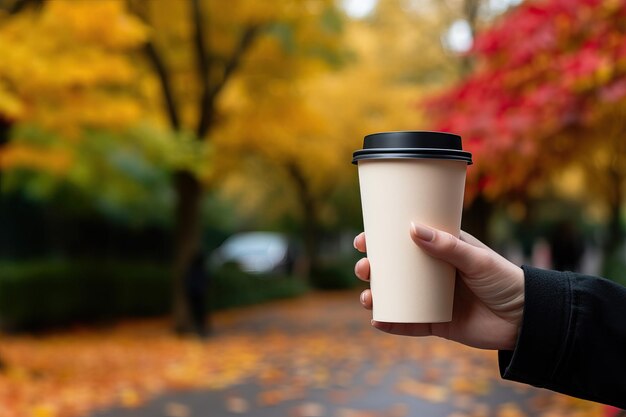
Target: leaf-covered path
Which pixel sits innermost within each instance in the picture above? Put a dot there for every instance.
(310, 357)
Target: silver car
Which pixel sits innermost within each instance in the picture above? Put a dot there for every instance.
(255, 252)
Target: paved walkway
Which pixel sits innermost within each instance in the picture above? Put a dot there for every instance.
(318, 356)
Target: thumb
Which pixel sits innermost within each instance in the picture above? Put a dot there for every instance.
(442, 245)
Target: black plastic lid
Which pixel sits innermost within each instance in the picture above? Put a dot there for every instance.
(412, 144)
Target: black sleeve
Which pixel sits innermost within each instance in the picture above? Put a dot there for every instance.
(573, 337)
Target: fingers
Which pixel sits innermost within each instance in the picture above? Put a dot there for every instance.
(466, 254)
(362, 269)
(466, 237)
(366, 299)
(404, 329)
(458, 251)
(359, 243)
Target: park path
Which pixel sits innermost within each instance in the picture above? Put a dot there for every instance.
(318, 356)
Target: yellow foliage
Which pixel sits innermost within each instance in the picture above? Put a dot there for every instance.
(67, 66)
(104, 22)
(43, 410)
(10, 106)
(315, 121)
(15, 155)
(72, 65)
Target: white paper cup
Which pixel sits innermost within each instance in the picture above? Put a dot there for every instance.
(410, 177)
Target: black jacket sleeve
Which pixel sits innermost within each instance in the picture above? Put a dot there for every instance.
(573, 337)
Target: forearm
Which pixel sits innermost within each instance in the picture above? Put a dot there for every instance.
(573, 337)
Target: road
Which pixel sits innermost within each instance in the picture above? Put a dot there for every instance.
(318, 356)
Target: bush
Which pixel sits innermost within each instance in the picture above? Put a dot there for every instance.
(42, 294)
(614, 268)
(335, 275)
(231, 287)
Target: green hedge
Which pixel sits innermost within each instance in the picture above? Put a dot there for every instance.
(231, 287)
(614, 268)
(42, 294)
(51, 293)
(337, 274)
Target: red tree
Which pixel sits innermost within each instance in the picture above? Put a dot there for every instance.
(546, 70)
(548, 88)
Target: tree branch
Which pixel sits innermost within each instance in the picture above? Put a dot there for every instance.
(210, 92)
(470, 13)
(139, 8)
(232, 64)
(164, 80)
(203, 68)
(20, 5)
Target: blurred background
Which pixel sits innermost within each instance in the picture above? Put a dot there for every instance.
(181, 159)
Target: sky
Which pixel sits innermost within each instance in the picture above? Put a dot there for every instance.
(358, 9)
(458, 38)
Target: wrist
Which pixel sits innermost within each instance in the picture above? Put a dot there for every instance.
(512, 310)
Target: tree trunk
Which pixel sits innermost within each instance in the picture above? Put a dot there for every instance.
(614, 233)
(614, 174)
(470, 12)
(5, 130)
(188, 188)
(311, 226)
(611, 262)
(476, 218)
(187, 244)
(311, 233)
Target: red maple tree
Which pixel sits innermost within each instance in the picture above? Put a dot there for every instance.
(549, 75)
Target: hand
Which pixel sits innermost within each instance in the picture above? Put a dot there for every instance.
(489, 294)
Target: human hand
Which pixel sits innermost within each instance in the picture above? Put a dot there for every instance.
(489, 294)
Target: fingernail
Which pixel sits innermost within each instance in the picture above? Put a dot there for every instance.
(362, 298)
(424, 233)
(354, 242)
(356, 268)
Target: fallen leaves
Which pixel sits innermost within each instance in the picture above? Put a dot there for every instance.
(73, 373)
(237, 405)
(429, 392)
(326, 347)
(174, 409)
(510, 410)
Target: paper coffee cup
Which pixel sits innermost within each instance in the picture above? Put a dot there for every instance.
(406, 177)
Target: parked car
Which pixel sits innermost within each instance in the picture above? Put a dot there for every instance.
(256, 252)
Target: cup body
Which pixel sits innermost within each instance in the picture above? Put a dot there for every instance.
(409, 286)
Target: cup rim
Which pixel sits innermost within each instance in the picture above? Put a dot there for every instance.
(412, 153)
(412, 144)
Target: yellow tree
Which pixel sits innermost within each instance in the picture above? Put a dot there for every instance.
(307, 130)
(111, 63)
(198, 49)
(65, 72)
(241, 77)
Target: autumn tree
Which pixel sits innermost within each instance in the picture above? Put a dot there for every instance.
(44, 79)
(306, 130)
(197, 59)
(165, 62)
(401, 51)
(469, 17)
(548, 90)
